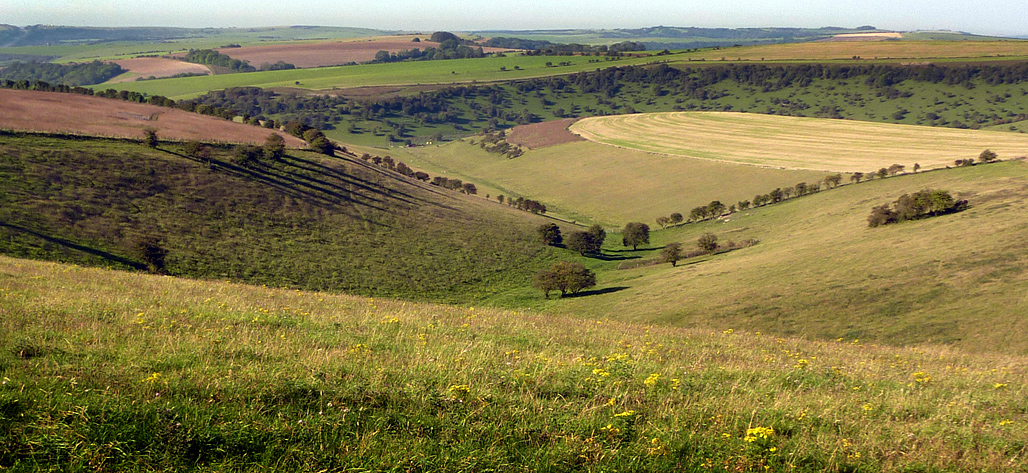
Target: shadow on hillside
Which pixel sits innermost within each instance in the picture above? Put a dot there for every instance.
(606, 290)
(74, 246)
(603, 257)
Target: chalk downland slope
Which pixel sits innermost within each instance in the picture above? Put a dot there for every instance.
(51, 112)
(306, 221)
(796, 142)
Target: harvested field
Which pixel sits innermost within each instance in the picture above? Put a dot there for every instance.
(541, 135)
(865, 37)
(795, 142)
(331, 53)
(156, 67)
(829, 50)
(52, 112)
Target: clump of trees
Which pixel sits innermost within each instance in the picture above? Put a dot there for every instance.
(496, 142)
(587, 242)
(921, 204)
(635, 234)
(210, 57)
(673, 219)
(566, 277)
(89, 73)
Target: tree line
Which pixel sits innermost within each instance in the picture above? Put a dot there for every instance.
(88, 73)
(210, 57)
(921, 204)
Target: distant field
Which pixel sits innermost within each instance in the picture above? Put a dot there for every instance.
(591, 182)
(543, 134)
(85, 115)
(906, 50)
(334, 53)
(796, 142)
(457, 71)
(156, 67)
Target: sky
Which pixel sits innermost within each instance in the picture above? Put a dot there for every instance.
(995, 17)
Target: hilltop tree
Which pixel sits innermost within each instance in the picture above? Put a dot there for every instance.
(676, 218)
(274, 147)
(635, 234)
(150, 137)
(671, 253)
(715, 208)
(707, 243)
(896, 169)
(549, 233)
(566, 277)
(917, 167)
(856, 177)
(834, 180)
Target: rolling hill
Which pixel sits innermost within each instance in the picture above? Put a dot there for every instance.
(304, 221)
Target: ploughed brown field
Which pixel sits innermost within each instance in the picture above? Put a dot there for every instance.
(329, 53)
(157, 67)
(27, 110)
(541, 135)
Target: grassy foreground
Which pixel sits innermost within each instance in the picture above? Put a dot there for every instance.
(110, 371)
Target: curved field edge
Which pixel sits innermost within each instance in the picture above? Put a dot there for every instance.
(105, 369)
(795, 142)
(592, 182)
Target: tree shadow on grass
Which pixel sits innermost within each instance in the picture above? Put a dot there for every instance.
(596, 292)
(603, 257)
(74, 246)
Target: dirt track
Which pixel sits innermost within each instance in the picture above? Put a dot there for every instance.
(94, 116)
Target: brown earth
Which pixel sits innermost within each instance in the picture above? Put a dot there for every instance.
(25, 110)
(541, 135)
(157, 67)
(329, 53)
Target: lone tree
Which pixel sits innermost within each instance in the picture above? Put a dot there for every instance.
(635, 234)
(566, 277)
(150, 137)
(672, 253)
(152, 252)
(549, 233)
(707, 243)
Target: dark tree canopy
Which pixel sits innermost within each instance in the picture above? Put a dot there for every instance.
(635, 234)
(707, 242)
(582, 242)
(549, 233)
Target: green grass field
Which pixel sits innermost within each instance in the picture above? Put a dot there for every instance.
(104, 370)
(795, 142)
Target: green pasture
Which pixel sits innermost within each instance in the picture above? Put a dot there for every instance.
(457, 71)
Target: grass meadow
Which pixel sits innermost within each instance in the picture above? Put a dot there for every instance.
(796, 142)
(111, 371)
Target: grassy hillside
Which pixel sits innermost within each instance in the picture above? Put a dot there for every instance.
(405, 73)
(114, 371)
(590, 182)
(796, 143)
(306, 221)
(818, 271)
(910, 50)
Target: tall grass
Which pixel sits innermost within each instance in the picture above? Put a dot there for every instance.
(104, 370)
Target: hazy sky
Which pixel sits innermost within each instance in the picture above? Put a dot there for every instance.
(1001, 17)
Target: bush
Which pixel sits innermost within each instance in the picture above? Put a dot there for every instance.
(707, 243)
